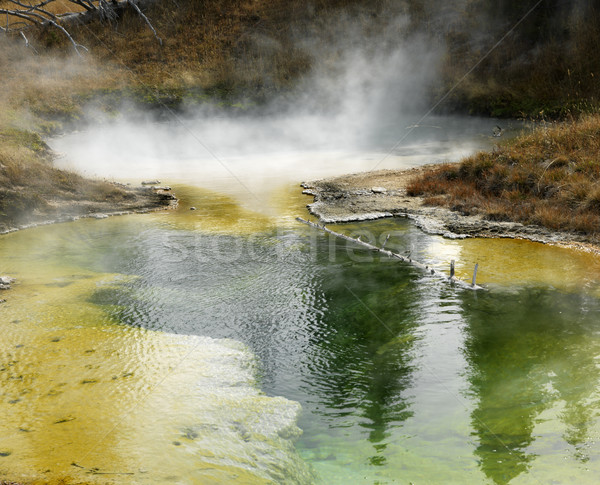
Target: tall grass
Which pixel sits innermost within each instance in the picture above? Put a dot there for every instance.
(544, 68)
(549, 177)
(545, 65)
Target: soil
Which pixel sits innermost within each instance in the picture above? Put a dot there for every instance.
(382, 193)
(140, 199)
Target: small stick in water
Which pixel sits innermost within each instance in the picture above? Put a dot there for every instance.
(385, 242)
(475, 274)
(452, 269)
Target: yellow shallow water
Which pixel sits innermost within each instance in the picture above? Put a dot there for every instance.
(90, 401)
(520, 262)
(245, 213)
(132, 406)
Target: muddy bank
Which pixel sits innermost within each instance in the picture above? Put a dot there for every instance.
(379, 194)
(139, 199)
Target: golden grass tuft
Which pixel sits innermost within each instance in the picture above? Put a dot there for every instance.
(549, 177)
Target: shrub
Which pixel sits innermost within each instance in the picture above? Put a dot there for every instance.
(550, 177)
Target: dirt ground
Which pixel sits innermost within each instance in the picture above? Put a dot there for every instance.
(140, 200)
(382, 193)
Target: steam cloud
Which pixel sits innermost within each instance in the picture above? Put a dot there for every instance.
(361, 97)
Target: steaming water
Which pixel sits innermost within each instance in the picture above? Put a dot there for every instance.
(177, 348)
(247, 158)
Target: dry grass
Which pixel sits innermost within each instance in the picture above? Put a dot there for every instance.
(543, 69)
(549, 177)
(250, 48)
(30, 185)
(230, 46)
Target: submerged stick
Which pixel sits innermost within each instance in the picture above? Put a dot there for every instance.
(475, 274)
(385, 242)
(96, 471)
(426, 268)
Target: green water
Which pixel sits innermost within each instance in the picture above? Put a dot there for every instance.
(112, 355)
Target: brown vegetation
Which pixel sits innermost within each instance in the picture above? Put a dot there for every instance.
(550, 177)
(253, 48)
(227, 49)
(32, 190)
(543, 65)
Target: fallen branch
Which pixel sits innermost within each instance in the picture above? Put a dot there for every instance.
(133, 3)
(429, 270)
(37, 14)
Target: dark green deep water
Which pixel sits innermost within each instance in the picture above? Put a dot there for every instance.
(402, 379)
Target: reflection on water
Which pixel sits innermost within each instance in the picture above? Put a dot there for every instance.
(112, 356)
(533, 371)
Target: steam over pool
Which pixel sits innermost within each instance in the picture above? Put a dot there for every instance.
(248, 156)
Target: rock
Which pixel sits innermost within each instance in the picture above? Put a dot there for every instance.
(99, 216)
(192, 208)
(5, 282)
(151, 182)
(165, 188)
(165, 196)
(379, 190)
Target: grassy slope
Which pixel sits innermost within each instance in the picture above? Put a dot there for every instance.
(252, 47)
(213, 51)
(543, 67)
(32, 190)
(39, 95)
(550, 177)
(229, 48)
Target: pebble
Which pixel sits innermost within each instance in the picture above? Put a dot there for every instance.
(6, 280)
(379, 190)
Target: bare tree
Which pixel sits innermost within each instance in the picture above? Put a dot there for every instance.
(25, 13)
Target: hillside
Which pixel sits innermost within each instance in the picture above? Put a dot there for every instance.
(505, 59)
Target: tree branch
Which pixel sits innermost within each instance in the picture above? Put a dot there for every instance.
(36, 14)
(133, 3)
(30, 16)
(76, 46)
